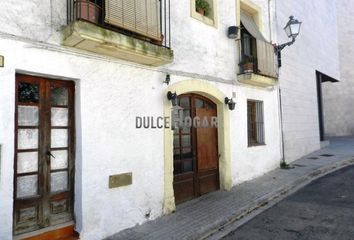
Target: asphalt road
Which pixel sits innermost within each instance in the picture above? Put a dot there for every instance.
(322, 210)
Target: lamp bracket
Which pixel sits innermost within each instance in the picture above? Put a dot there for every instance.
(282, 46)
(167, 79)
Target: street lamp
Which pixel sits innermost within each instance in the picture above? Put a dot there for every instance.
(292, 29)
(173, 98)
(230, 103)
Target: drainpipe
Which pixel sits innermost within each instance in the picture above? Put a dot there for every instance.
(283, 164)
(270, 22)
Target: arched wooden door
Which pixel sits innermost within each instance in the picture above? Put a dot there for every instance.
(196, 165)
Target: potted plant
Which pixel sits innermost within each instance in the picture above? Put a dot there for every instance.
(87, 10)
(202, 7)
(246, 64)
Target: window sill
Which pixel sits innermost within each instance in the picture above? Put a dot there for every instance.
(256, 145)
(203, 19)
(256, 80)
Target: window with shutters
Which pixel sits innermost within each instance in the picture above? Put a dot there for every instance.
(248, 51)
(134, 30)
(257, 57)
(255, 123)
(138, 16)
(256, 52)
(144, 19)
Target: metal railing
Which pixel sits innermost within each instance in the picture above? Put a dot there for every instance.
(251, 67)
(255, 122)
(147, 20)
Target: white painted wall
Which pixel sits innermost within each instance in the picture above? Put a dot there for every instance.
(315, 49)
(338, 97)
(200, 48)
(249, 162)
(37, 20)
(109, 95)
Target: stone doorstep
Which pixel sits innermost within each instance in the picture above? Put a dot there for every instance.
(64, 231)
(266, 201)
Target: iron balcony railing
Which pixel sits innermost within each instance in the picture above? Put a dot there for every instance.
(148, 20)
(250, 66)
(263, 64)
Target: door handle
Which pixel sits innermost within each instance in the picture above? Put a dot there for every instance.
(50, 154)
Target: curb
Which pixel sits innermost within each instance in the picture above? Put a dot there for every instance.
(264, 202)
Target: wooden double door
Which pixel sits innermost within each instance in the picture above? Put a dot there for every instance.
(195, 149)
(44, 153)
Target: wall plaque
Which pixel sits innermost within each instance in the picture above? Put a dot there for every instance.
(120, 180)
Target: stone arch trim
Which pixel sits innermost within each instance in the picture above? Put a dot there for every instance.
(206, 89)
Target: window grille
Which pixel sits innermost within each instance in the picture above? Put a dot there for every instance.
(255, 123)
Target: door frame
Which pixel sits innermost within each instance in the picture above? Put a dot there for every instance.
(320, 106)
(45, 82)
(203, 88)
(320, 79)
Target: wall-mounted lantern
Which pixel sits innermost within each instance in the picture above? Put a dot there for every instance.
(2, 59)
(167, 79)
(232, 32)
(292, 29)
(172, 97)
(230, 102)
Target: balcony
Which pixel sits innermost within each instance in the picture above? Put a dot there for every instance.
(132, 30)
(258, 61)
(259, 70)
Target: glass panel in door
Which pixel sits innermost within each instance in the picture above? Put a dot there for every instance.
(59, 139)
(60, 131)
(27, 191)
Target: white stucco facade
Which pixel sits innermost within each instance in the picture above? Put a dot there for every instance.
(316, 48)
(110, 93)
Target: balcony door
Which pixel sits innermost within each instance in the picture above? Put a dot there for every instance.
(196, 165)
(44, 153)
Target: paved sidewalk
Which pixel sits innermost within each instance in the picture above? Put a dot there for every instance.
(205, 216)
